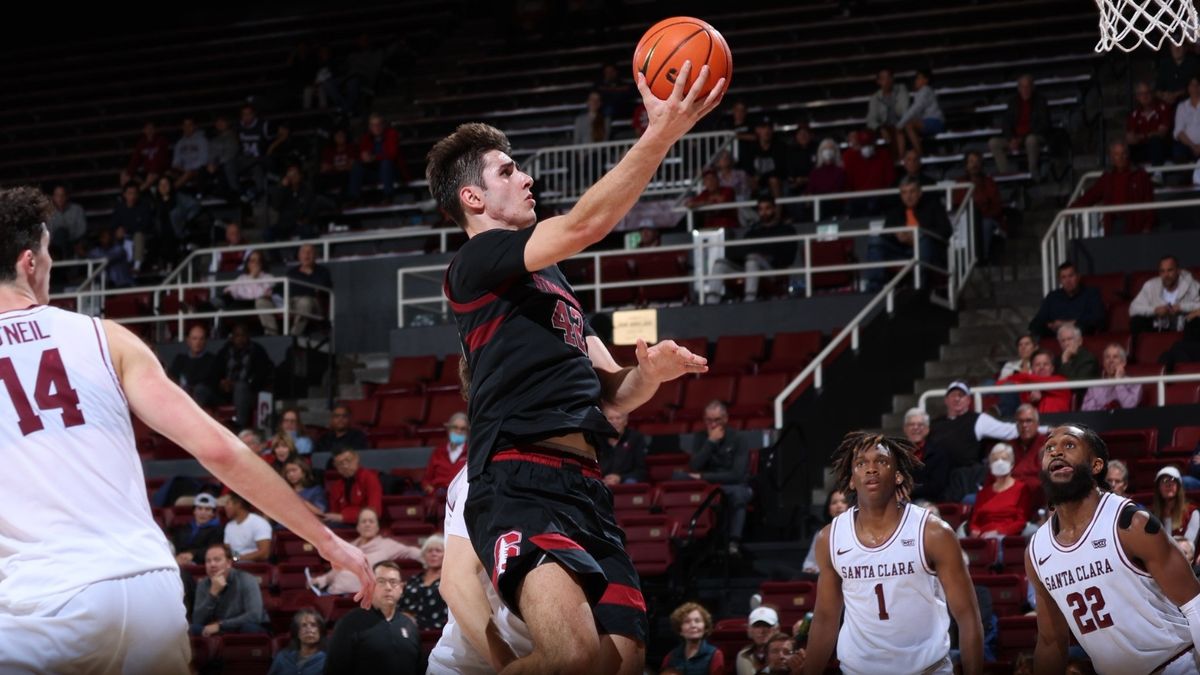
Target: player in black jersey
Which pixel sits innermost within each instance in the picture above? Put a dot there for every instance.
(538, 514)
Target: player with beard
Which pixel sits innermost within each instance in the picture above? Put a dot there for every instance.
(894, 568)
(1108, 564)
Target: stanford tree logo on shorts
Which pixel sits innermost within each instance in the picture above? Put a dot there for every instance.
(508, 545)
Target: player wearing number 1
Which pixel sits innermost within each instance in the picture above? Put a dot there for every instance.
(87, 580)
(1107, 571)
(895, 568)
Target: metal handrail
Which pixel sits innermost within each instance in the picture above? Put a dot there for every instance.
(946, 187)
(978, 392)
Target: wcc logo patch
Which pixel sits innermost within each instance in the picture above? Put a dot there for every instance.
(508, 545)
(908, 542)
(1099, 543)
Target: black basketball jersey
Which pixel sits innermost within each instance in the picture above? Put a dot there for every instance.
(524, 337)
(254, 139)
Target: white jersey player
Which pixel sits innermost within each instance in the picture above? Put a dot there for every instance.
(894, 568)
(489, 635)
(1107, 571)
(87, 580)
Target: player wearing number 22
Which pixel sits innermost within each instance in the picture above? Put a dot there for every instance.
(1107, 571)
(895, 569)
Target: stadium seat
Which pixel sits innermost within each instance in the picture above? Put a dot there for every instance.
(400, 413)
(290, 577)
(1143, 470)
(1118, 317)
(1182, 393)
(954, 513)
(1149, 346)
(736, 354)
(632, 498)
(792, 598)
(661, 405)
(1098, 342)
(981, 553)
(291, 548)
(699, 391)
(334, 607)
(1017, 634)
(661, 467)
(1111, 287)
(1186, 437)
(729, 641)
(441, 406)
(245, 653)
(827, 254)
(364, 412)
(264, 573)
(448, 377)
(1129, 444)
(409, 374)
(614, 269)
(203, 649)
(680, 499)
(755, 394)
(663, 266)
(790, 352)
(1012, 554)
(1008, 592)
(403, 509)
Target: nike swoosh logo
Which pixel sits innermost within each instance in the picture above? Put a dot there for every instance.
(1043, 560)
(840, 552)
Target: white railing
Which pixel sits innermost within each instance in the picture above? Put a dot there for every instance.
(1072, 224)
(979, 392)
(96, 299)
(206, 258)
(563, 173)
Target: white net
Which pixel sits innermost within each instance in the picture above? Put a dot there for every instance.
(1126, 24)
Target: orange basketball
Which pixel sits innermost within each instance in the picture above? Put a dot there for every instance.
(664, 48)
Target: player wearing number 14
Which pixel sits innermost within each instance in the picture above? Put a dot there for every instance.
(895, 568)
(1107, 571)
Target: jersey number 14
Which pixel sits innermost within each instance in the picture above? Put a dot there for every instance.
(52, 390)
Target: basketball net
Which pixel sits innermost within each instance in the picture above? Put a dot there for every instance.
(1126, 24)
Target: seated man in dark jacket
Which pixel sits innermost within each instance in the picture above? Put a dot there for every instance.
(195, 371)
(756, 257)
(228, 600)
(916, 211)
(1072, 304)
(720, 457)
(243, 370)
(624, 460)
(929, 482)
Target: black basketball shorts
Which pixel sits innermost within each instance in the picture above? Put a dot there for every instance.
(533, 503)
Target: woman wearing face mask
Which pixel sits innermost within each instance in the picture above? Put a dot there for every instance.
(449, 458)
(1003, 506)
(828, 177)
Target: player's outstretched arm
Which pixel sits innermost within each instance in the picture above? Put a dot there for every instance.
(627, 388)
(468, 602)
(171, 412)
(1053, 634)
(1144, 538)
(943, 550)
(604, 204)
(827, 616)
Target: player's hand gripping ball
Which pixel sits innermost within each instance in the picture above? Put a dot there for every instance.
(662, 51)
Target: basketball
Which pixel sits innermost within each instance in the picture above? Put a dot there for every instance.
(662, 51)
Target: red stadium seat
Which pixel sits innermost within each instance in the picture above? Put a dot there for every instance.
(756, 394)
(828, 254)
(696, 345)
(408, 374)
(661, 467)
(290, 577)
(1118, 317)
(448, 378)
(954, 513)
(203, 649)
(334, 607)
(291, 548)
(1128, 444)
(790, 352)
(441, 406)
(1186, 438)
(663, 266)
(614, 269)
(400, 412)
(680, 499)
(245, 653)
(1149, 346)
(1012, 551)
(1017, 634)
(403, 509)
(363, 413)
(632, 498)
(1098, 342)
(1143, 470)
(264, 573)
(661, 405)
(1183, 393)
(698, 392)
(792, 598)
(1111, 287)
(981, 553)
(737, 354)
(1008, 592)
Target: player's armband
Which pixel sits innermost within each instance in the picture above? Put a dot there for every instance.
(1125, 519)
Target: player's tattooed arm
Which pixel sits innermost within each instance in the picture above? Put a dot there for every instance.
(946, 556)
(1149, 545)
(1053, 633)
(822, 636)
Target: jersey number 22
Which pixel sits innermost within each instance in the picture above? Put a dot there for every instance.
(52, 390)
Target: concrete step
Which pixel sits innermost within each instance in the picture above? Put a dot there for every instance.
(960, 368)
(991, 316)
(936, 382)
(969, 350)
(372, 374)
(351, 392)
(976, 334)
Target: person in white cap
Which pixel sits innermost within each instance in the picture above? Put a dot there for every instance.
(763, 622)
(1179, 516)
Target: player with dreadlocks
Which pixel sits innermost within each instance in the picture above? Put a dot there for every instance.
(895, 568)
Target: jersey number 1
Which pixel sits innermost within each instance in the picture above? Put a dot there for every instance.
(883, 614)
(51, 375)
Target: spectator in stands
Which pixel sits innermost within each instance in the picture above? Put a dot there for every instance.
(243, 370)
(1148, 127)
(835, 505)
(783, 658)
(289, 423)
(295, 203)
(828, 177)
(929, 481)
(714, 193)
(379, 640)
(1025, 123)
(247, 533)
(692, 623)
(731, 176)
(195, 370)
(174, 212)
(377, 549)
(1174, 71)
(281, 451)
(1072, 303)
(868, 167)
(254, 137)
(1163, 303)
(962, 432)
(305, 653)
(916, 211)
(1121, 184)
(253, 439)
(190, 155)
(1027, 448)
(1074, 361)
(624, 458)
(756, 257)
(284, 150)
(739, 124)
(913, 168)
(923, 117)
(341, 434)
(359, 487)
(1115, 395)
(254, 289)
(1117, 475)
(1004, 505)
(721, 457)
(67, 223)
(448, 458)
(222, 153)
(989, 205)
(306, 304)
(617, 94)
(801, 156)
(760, 626)
(1186, 130)
(378, 159)
(337, 158)
(1026, 346)
(204, 530)
(1047, 400)
(228, 600)
(1178, 515)
(234, 260)
(422, 599)
(150, 159)
(134, 215)
(886, 106)
(766, 160)
(118, 251)
(592, 125)
(299, 475)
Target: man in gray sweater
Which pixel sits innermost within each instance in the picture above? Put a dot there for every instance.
(720, 457)
(229, 600)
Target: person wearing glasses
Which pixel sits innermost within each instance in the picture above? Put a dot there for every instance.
(378, 640)
(721, 457)
(341, 434)
(1028, 445)
(449, 458)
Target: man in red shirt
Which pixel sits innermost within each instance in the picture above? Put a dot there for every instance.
(1121, 184)
(379, 159)
(449, 458)
(1148, 127)
(151, 157)
(354, 489)
(989, 205)
(1025, 123)
(1046, 400)
(1028, 447)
